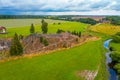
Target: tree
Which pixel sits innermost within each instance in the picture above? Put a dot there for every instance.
(32, 29)
(42, 21)
(79, 34)
(46, 42)
(16, 47)
(44, 27)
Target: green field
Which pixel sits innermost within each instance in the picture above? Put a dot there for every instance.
(24, 26)
(61, 65)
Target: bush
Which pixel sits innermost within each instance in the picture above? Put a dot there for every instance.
(116, 38)
(115, 56)
(60, 31)
(41, 39)
(46, 42)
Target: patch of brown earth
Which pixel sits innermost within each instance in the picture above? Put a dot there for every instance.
(87, 74)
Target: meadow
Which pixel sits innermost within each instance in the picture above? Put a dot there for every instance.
(107, 29)
(61, 65)
(22, 26)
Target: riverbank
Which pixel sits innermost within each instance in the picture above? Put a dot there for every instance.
(112, 72)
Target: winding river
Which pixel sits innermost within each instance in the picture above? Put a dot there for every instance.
(113, 74)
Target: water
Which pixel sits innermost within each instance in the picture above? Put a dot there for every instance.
(113, 74)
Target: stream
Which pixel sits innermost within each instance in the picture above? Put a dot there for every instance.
(113, 74)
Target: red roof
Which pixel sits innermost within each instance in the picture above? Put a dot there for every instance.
(1, 28)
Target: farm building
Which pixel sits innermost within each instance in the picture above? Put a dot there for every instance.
(2, 29)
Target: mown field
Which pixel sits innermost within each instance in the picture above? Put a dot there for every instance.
(22, 26)
(62, 65)
(107, 29)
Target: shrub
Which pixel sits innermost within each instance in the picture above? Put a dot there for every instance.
(60, 31)
(41, 39)
(115, 56)
(46, 42)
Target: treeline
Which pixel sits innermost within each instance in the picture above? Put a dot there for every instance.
(69, 18)
(115, 55)
(21, 16)
(114, 19)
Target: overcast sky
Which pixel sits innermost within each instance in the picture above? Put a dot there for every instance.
(60, 7)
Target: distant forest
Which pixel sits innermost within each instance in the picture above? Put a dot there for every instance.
(20, 16)
(114, 19)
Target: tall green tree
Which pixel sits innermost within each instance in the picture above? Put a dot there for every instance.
(44, 27)
(32, 29)
(16, 47)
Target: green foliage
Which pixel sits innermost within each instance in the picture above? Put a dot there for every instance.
(116, 37)
(16, 47)
(45, 42)
(88, 21)
(44, 27)
(76, 33)
(41, 39)
(59, 23)
(117, 67)
(118, 33)
(21, 36)
(60, 31)
(32, 29)
(114, 19)
(115, 56)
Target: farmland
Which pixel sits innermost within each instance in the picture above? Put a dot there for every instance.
(22, 26)
(107, 29)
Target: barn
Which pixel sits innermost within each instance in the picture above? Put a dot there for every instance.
(2, 29)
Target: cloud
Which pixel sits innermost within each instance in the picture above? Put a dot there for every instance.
(63, 6)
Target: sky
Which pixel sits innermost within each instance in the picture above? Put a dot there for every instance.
(60, 7)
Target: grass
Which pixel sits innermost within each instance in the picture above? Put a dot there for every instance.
(24, 22)
(115, 46)
(60, 65)
(52, 28)
(108, 29)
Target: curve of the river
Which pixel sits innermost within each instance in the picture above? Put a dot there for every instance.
(113, 74)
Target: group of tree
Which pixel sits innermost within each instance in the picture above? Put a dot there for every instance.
(22, 17)
(114, 19)
(115, 55)
(116, 38)
(88, 21)
(76, 33)
(44, 27)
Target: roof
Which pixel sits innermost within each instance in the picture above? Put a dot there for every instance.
(1, 28)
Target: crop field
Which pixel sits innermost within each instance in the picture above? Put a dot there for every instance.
(24, 22)
(61, 65)
(106, 29)
(23, 27)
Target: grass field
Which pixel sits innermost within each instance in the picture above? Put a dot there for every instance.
(52, 28)
(61, 65)
(24, 22)
(106, 29)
